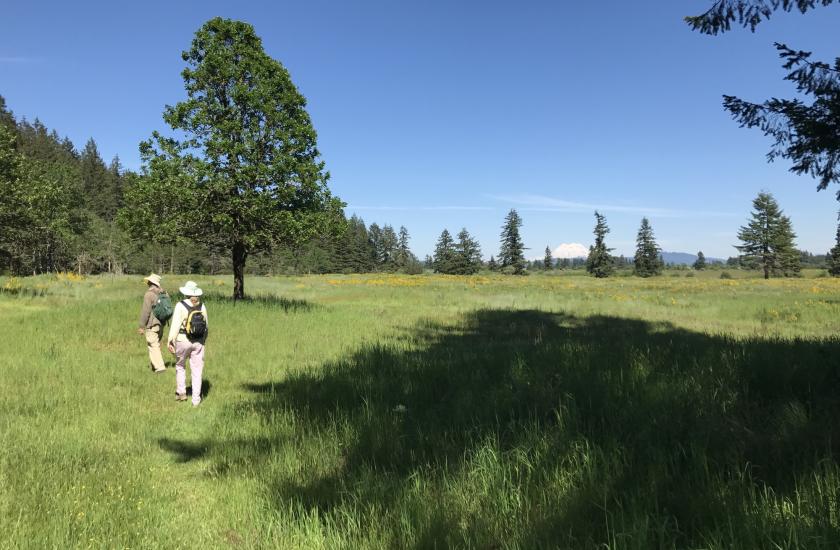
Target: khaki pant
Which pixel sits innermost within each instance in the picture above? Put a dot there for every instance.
(153, 343)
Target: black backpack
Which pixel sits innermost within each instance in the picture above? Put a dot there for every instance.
(195, 325)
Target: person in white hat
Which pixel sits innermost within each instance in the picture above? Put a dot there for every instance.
(187, 336)
(150, 326)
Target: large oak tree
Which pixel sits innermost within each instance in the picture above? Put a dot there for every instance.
(241, 170)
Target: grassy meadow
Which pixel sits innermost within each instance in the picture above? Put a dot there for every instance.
(389, 411)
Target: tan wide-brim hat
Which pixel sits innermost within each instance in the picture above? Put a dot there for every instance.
(153, 279)
(190, 288)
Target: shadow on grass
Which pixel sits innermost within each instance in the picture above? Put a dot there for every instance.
(184, 452)
(24, 292)
(534, 429)
(206, 386)
(266, 300)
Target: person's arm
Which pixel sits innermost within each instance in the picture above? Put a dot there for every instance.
(146, 311)
(177, 319)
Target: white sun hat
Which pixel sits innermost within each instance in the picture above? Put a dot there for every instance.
(154, 279)
(190, 288)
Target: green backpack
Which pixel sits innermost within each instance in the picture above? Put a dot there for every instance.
(163, 307)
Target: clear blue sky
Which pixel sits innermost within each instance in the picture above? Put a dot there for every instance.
(447, 114)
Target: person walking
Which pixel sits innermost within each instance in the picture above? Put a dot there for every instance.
(150, 326)
(187, 336)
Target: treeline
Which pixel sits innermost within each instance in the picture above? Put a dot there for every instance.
(58, 205)
(60, 211)
(356, 249)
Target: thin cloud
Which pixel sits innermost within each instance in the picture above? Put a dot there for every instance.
(540, 203)
(424, 208)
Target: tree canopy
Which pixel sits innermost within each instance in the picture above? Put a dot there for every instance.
(246, 172)
(806, 133)
(747, 13)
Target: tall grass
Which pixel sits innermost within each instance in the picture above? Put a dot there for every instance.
(424, 412)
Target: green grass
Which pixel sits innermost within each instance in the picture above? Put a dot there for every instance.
(428, 412)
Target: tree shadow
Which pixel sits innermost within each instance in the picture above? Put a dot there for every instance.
(265, 300)
(597, 427)
(24, 292)
(183, 451)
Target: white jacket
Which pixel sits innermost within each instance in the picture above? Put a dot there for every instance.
(179, 320)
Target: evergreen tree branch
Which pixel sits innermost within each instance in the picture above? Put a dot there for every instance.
(747, 13)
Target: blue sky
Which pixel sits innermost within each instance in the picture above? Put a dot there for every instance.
(443, 114)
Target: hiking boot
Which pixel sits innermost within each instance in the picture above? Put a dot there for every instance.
(158, 371)
(180, 397)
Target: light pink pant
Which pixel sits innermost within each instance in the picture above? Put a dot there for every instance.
(195, 351)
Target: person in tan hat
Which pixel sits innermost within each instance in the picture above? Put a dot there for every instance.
(150, 326)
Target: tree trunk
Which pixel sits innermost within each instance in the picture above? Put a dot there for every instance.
(766, 261)
(172, 259)
(239, 255)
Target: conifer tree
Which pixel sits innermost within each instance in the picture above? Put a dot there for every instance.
(444, 257)
(492, 265)
(96, 183)
(648, 260)
(768, 239)
(467, 259)
(7, 118)
(404, 255)
(376, 245)
(39, 212)
(790, 259)
(353, 249)
(834, 256)
(512, 253)
(700, 262)
(599, 262)
(548, 261)
(388, 252)
(117, 185)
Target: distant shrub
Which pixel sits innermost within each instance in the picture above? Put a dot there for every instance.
(414, 268)
(725, 275)
(690, 274)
